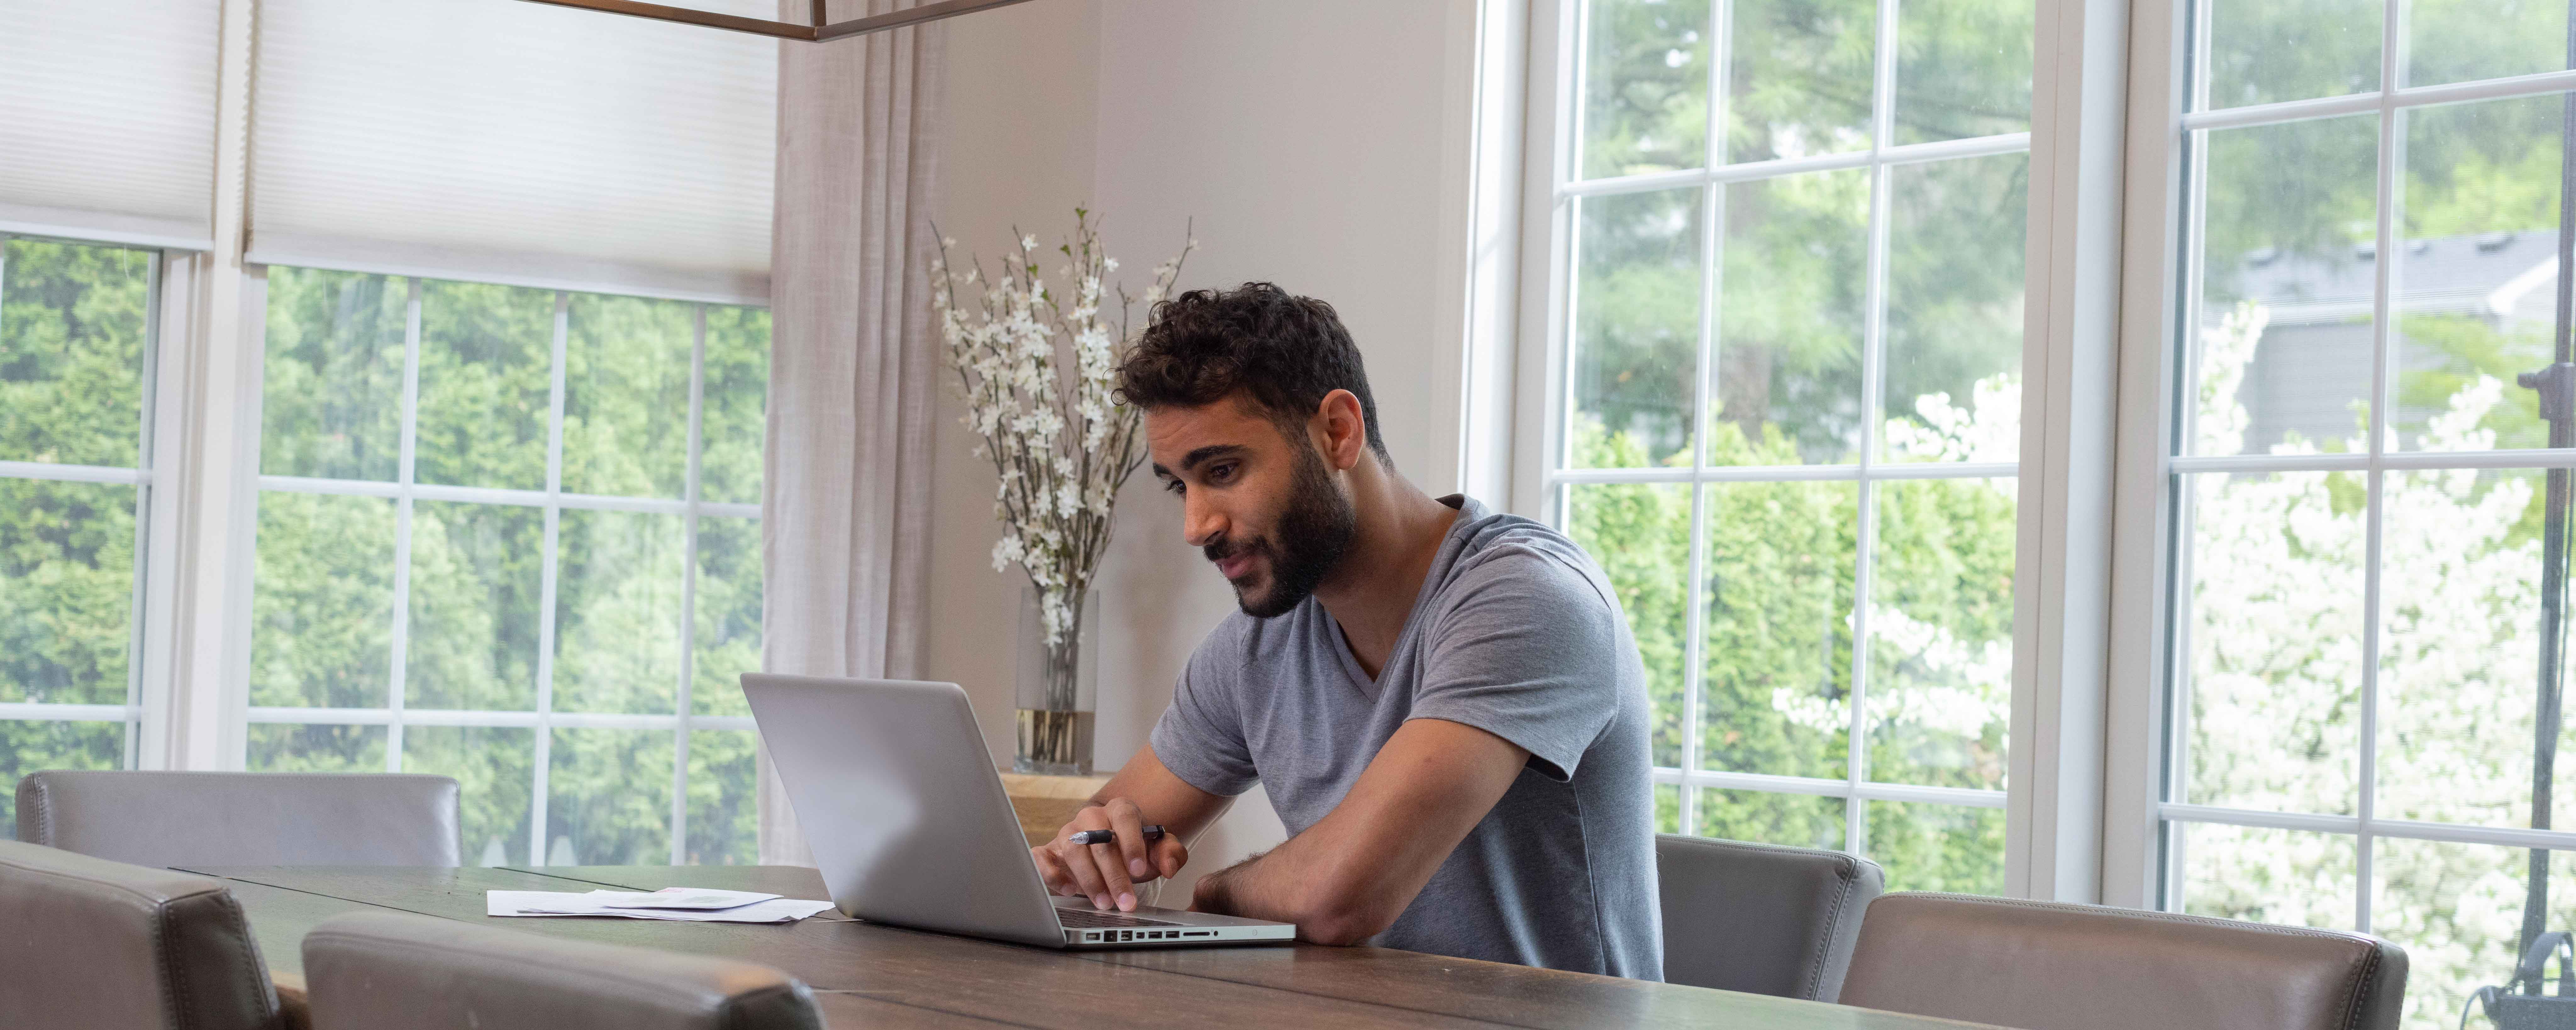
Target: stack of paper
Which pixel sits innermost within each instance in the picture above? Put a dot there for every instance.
(686, 904)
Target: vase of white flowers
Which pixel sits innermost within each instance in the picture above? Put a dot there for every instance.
(1061, 447)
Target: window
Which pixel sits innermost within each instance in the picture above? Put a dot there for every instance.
(1789, 248)
(76, 346)
(2359, 490)
(510, 535)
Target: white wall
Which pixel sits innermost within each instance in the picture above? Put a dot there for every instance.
(1315, 143)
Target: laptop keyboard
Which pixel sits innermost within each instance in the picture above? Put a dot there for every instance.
(1092, 919)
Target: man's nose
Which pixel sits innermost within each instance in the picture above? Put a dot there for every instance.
(1200, 521)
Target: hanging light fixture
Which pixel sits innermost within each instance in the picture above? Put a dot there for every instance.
(821, 29)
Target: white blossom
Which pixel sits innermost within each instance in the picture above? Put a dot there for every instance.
(1061, 445)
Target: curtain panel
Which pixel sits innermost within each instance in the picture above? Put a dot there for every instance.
(845, 515)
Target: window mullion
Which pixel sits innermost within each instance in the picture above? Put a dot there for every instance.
(547, 576)
(689, 590)
(2392, 197)
(399, 646)
(1873, 361)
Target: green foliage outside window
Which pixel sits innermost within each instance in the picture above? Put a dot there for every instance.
(72, 343)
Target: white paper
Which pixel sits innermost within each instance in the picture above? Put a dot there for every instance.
(597, 903)
(685, 898)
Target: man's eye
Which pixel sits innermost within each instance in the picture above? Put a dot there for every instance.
(1220, 473)
(1172, 486)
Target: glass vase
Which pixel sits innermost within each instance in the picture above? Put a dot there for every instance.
(1058, 683)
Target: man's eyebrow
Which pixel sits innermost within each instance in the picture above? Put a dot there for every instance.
(1202, 455)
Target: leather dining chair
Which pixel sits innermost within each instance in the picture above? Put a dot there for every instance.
(85, 942)
(219, 819)
(2050, 966)
(1760, 917)
(400, 971)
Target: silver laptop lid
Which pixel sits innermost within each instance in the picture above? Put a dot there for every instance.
(902, 806)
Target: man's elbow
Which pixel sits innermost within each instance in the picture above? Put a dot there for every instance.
(1344, 918)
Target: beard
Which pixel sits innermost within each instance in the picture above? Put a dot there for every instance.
(1313, 534)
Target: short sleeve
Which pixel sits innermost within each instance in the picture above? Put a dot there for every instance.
(1529, 650)
(1200, 736)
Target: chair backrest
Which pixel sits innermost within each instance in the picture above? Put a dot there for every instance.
(400, 971)
(218, 819)
(103, 945)
(1760, 917)
(2050, 966)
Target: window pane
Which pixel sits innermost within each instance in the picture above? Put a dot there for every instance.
(2460, 649)
(617, 612)
(71, 352)
(2274, 624)
(1775, 692)
(1645, 89)
(2457, 910)
(31, 746)
(1797, 820)
(66, 591)
(626, 396)
(1954, 298)
(728, 618)
(1640, 533)
(1926, 847)
(735, 423)
(297, 747)
(486, 371)
(724, 818)
(322, 599)
(608, 798)
(1799, 77)
(2460, 40)
(1940, 628)
(2264, 51)
(2285, 308)
(333, 403)
(2477, 283)
(1668, 808)
(475, 574)
(2287, 877)
(1962, 68)
(1789, 320)
(1636, 329)
(492, 766)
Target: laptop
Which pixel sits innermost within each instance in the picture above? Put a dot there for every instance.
(906, 815)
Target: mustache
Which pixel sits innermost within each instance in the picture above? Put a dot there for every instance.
(1223, 548)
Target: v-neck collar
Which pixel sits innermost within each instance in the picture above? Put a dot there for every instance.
(1367, 685)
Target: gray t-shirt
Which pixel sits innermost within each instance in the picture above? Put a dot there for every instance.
(1516, 632)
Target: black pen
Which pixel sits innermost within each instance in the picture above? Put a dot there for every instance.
(1111, 837)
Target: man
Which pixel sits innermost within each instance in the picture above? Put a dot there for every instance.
(1444, 703)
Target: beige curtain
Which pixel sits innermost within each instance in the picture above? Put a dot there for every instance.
(845, 516)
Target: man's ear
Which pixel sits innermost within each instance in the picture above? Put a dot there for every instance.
(1342, 432)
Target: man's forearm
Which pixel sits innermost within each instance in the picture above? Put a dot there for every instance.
(1277, 887)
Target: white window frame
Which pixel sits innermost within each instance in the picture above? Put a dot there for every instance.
(2054, 793)
(404, 490)
(154, 513)
(2142, 863)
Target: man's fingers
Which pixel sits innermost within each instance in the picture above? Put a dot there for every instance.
(1077, 860)
(1113, 873)
(1128, 822)
(1170, 855)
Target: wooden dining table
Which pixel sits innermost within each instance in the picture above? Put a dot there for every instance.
(869, 974)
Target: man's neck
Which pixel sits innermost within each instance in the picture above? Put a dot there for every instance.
(1398, 535)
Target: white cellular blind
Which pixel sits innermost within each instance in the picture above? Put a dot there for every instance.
(505, 141)
(107, 119)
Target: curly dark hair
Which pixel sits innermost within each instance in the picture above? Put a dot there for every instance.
(1284, 351)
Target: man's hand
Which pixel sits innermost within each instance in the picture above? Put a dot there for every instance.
(1108, 873)
(1144, 792)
